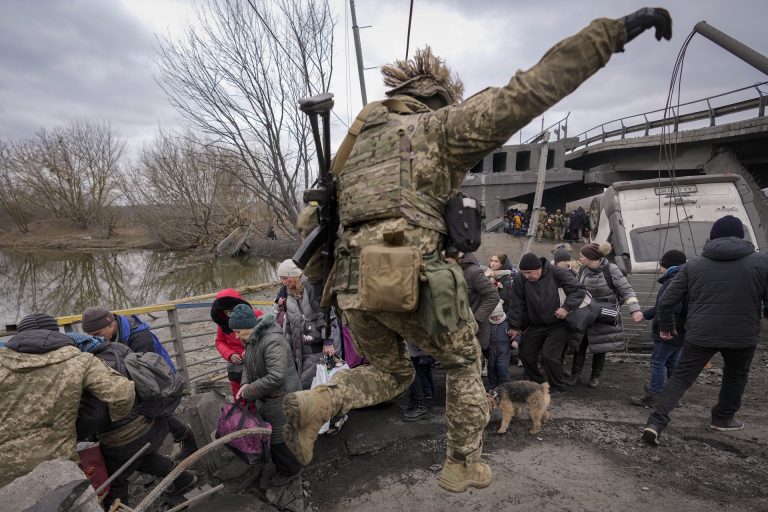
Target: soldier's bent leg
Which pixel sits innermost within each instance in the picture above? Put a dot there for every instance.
(389, 374)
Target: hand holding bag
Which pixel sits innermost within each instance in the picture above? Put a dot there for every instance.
(252, 449)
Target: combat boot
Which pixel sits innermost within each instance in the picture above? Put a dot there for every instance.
(305, 412)
(458, 476)
(187, 445)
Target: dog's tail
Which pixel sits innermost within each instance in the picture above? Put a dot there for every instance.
(545, 387)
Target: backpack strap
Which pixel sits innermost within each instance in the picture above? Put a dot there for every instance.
(609, 280)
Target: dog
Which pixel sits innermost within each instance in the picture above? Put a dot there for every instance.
(512, 397)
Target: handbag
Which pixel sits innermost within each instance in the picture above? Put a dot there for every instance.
(252, 449)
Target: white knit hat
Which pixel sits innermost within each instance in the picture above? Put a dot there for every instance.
(498, 315)
(288, 269)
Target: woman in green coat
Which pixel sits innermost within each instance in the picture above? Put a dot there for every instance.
(269, 374)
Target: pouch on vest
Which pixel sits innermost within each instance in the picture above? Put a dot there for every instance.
(444, 298)
(463, 223)
(389, 278)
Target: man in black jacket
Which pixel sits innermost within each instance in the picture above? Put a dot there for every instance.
(537, 307)
(725, 287)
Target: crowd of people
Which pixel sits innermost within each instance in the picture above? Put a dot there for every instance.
(557, 226)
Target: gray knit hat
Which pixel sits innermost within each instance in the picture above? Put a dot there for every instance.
(96, 318)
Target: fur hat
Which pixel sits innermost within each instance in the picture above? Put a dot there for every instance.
(672, 258)
(596, 252)
(37, 321)
(96, 318)
(529, 261)
(288, 269)
(423, 76)
(242, 317)
(727, 226)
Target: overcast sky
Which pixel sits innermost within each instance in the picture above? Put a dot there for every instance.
(93, 59)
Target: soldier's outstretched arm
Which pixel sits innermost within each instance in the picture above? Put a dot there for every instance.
(489, 118)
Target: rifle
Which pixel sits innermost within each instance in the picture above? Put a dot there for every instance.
(324, 236)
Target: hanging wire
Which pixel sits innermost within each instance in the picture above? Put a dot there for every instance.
(408, 39)
(667, 161)
(348, 85)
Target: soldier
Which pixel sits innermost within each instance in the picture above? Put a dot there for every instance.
(410, 155)
(42, 378)
(558, 223)
(541, 227)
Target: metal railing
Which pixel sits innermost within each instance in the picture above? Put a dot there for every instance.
(607, 131)
(206, 359)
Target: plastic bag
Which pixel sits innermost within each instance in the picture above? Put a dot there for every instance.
(324, 370)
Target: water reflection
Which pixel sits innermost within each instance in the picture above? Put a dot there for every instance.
(63, 283)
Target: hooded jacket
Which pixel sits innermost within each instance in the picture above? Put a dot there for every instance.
(535, 303)
(681, 310)
(42, 378)
(226, 340)
(725, 287)
(269, 372)
(483, 296)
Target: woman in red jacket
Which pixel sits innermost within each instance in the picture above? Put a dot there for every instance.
(227, 343)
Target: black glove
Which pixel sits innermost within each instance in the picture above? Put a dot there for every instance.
(645, 18)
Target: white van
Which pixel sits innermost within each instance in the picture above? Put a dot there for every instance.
(644, 219)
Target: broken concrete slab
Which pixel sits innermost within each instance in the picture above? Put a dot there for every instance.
(52, 486)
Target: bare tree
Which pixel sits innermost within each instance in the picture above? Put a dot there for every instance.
(13, 198)
(71, 171)
(237, 76)
(188, 192)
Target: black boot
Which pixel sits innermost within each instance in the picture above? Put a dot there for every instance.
(418, 411)
(578, 365)
(187, 445)
(598, 363)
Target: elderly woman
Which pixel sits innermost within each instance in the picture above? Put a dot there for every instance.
(608, 286)
(269, 374)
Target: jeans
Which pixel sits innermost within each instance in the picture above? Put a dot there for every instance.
(692, 361)
(664, 361)
(416, 391)
(498, 363)
(547, 340)
(424, 375)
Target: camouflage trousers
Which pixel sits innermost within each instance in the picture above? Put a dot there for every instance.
(380, 338)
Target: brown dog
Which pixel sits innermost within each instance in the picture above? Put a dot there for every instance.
(512, 396)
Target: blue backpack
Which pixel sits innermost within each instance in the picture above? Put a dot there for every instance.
(126, 330)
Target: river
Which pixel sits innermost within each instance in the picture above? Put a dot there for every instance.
(65, 283)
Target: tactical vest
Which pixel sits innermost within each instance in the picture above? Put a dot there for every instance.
(377, 181)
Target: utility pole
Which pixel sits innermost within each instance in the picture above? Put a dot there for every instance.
(358, 52)
(534, 221)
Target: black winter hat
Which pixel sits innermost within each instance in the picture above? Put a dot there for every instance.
(672, 258)
(529, 261)
(37, 321)
(727, 226)
(242, 317)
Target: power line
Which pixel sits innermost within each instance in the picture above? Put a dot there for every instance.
(408, 39)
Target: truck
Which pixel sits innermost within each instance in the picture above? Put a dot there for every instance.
(643, 219)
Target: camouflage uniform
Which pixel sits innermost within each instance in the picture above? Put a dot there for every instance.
(40, 391)
(444, 144)
(557, 223)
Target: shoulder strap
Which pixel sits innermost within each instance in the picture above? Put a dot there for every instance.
(342, 154)
(609, 279)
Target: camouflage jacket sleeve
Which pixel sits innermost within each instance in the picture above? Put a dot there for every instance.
(488, 119)
(110, 387)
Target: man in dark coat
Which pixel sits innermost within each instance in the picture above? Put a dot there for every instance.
(726, 287)
(537, 307)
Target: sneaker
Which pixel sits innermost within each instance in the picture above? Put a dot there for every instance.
(182, 484)
(336, 423)
(594, 382)
(727, 425)
(415, 413)
(651, 434)
(279, 480)
(648, 400)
